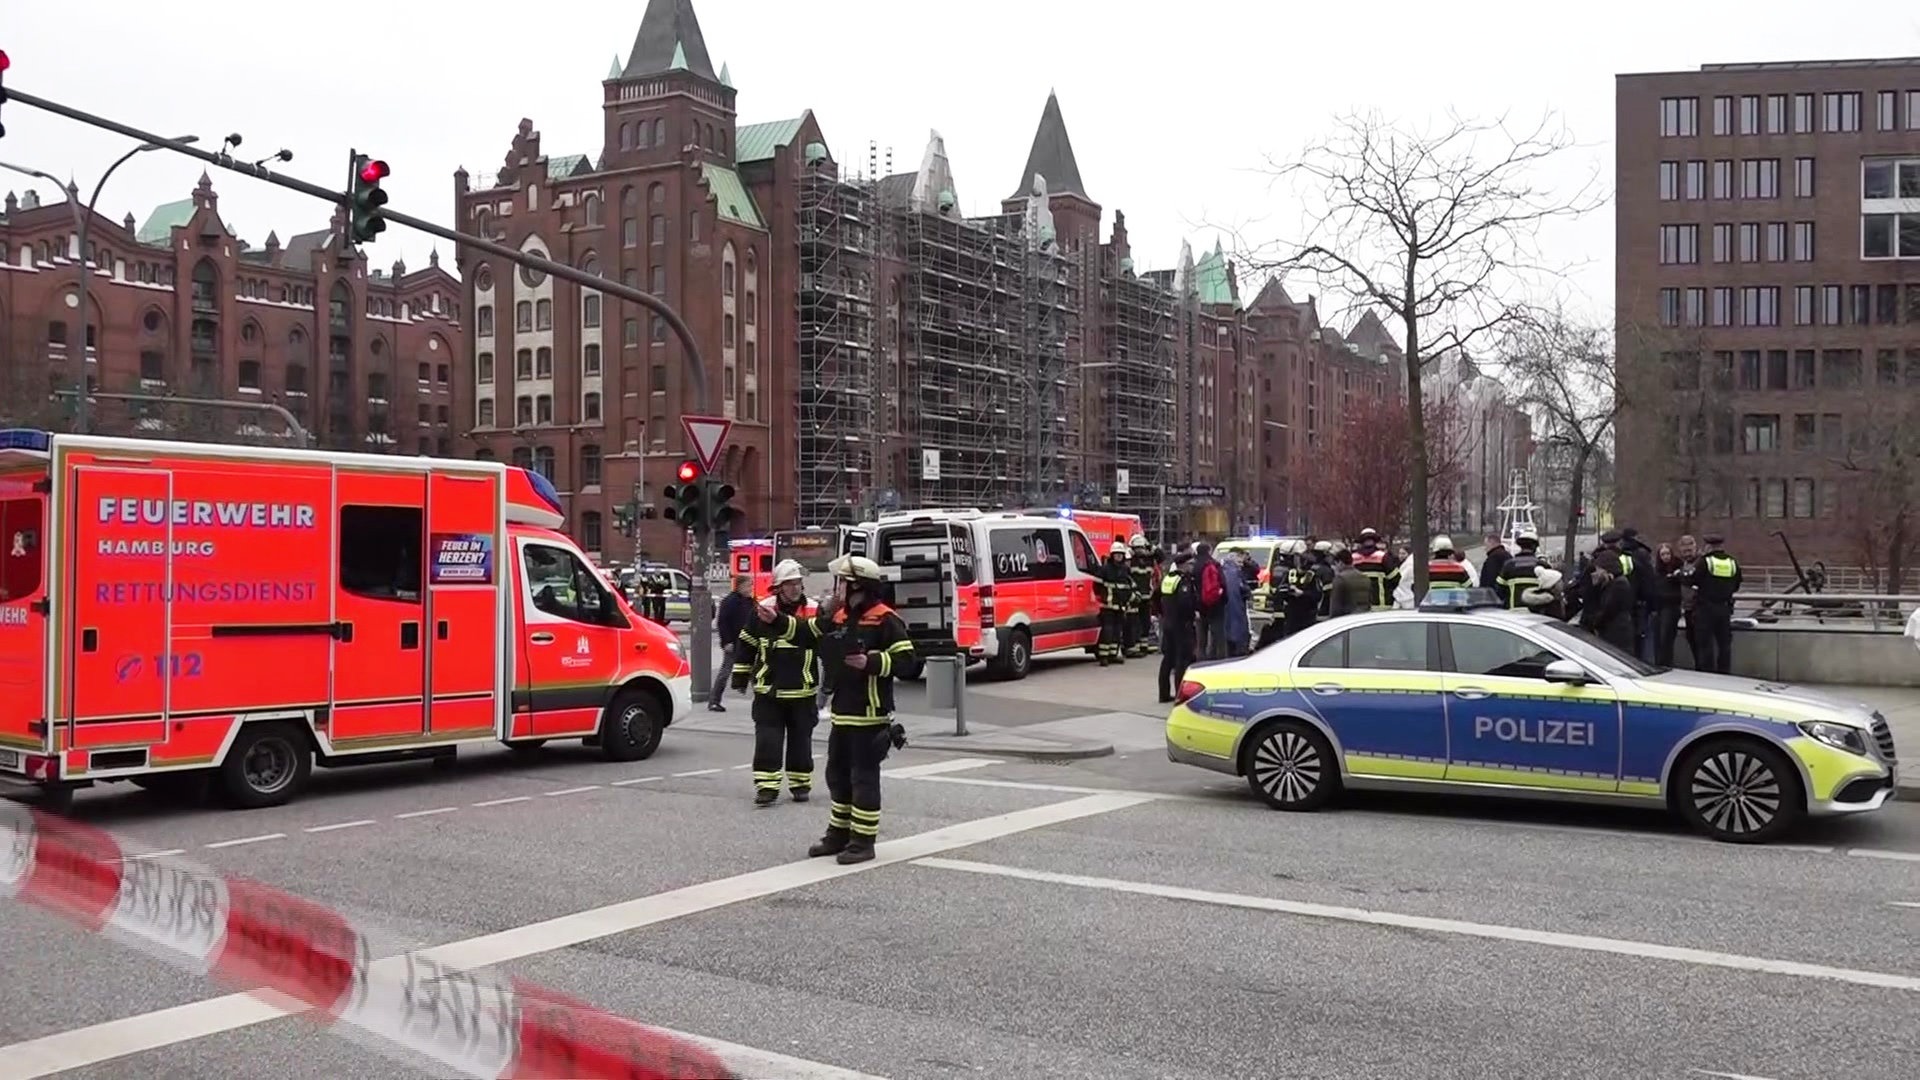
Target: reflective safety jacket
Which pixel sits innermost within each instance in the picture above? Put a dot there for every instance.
(861, 697)
(775, 662)
(1448, 574)
(1520, 573)
(1718, 580)
(1142, 571)
(1381, 574)
(1114, 587)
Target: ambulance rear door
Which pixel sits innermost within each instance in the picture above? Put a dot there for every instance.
(465, 588)
(23, 622)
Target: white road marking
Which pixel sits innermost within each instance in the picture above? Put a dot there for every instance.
(1583, 942)
(573, 790)
(1725, 1076)
(697, 772)
(1904, 903)
(938, 768)
(155, 854)
(115, 1039)
(1059, 789)
(341, 825)
(748, 765)
(426, 813)
(504, 802)
(1875, 853)
(754, 1062)
(637, 780)
(249, 840)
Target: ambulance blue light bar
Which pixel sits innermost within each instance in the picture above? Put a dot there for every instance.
(544, 488)
(26, 439)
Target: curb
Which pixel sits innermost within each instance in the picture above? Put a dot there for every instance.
(314, 962)
(966, 744)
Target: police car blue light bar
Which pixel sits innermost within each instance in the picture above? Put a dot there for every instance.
(1445, 599)
(26, 439)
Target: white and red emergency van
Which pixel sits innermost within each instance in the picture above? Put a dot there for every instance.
(1104, 527)
(1021, 584)
(174, 611)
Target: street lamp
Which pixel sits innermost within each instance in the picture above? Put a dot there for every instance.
(81, 219)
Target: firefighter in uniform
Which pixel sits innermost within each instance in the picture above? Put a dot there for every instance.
(1140, 617)
(1716, 582)
(1446, 569)
(1114, 589)
(1370, 558)
(780, 670)
(1303, 593)
(1520, 572)
(863, 643)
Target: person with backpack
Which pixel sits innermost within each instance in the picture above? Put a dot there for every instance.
(1211, 582)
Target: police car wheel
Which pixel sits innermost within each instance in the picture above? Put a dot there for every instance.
(1738, 790)
(631, 728)
(267, 765)
(1290, 766)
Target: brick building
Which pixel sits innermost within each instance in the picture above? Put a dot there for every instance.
(180, 306)
(1768, 297)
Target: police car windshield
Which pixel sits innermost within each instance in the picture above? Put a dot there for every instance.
(1602, 654)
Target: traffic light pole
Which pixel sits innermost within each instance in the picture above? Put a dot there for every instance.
(698, 594)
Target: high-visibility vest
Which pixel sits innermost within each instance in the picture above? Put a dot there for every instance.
(1374, 565)
(1518, 575)
(1721, 566)
(1447, 574)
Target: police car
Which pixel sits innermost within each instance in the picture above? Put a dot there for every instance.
(1467, 698)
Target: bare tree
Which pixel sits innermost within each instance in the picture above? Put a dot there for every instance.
(1880, 487)
(1562, 368)
(1434, 225)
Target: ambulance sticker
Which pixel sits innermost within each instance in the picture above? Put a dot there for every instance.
(462, 559)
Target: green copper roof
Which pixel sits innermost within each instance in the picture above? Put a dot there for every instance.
(679, 57)
(1210, 280)
(559, 168)
(759, 142)
(731, 196)
(726, 76)
(614, 72)
(164, 219)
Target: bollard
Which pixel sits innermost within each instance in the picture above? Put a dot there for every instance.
(946, 678)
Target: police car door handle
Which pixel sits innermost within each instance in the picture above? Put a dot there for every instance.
(1327, 689)
(1470, 693)
(541, 639)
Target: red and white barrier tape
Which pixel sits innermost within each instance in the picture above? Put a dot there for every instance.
(250, 937)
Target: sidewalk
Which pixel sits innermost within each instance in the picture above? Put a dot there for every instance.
(1072, 739)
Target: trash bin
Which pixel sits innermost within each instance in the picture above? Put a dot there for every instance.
(943, 682)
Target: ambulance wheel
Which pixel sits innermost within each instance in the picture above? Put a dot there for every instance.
(267, 765)
(630, 729)
(1015, 661)
(1741, 791)
(1290, 765)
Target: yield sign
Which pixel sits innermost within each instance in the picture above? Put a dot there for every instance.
(706, 434)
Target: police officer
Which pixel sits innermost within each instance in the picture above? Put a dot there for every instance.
(863, 642)
(1114, 589)
(1716, 581)
(1140, 618)
(1370, 558)
(1179, 602)
(1323, 571)
(780, 671)
(1303, 593)
(1520, 572)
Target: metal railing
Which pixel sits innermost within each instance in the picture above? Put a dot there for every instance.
(1853, 611)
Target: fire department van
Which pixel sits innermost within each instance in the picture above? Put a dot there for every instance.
(1104, 527)
(753, 558)
(173, 612)
(1022, 584)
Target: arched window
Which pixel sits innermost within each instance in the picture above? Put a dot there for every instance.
(590, 310)
(626, 136)
(523, 316)
(483, 369)
(206, 286)
(590, 264)
(543, 315)
(629, 200)
(728, 272)
(340, 304)
(483, 320)
(483, 224)
(591, 204)
(543, 363)
(590, 466)
(523, 365)
(643, 134)
(590, 408)
(590, 361)
(710, 144)
(657, 195)
(486, 412)
(658, 227)
(543, 461)
(660, 131)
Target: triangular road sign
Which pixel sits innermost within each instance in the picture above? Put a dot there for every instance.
(706, 434)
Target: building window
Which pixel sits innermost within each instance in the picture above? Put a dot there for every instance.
(1679, 244)
(523, 365)
(1723, 116)
(1805, 369)
(1669, 180)
(1803, 241)
(659, 330)
(249, 374)
(1722, 307)
(1802, 114)
(483, 369)
(1890, 236)
(543, 315)
(1776, 241)
(1696, 305)
(590, 361)
(590, 310)
(1776, 499)
(589, 466)
(1831, 311)
(1840, 113)
(1803, 178)
(1723, 243)
(543, 409)
(630, 332)
(1723, 179)
(1750, 114)
(1760, 306)
(629, 232)
(1803, 305)
(485, 413)
(1760, 434)
(523, 410)
(727, 331)
(657, 279)
(591, 207)
(1696, 180)
(590, 408)
(728, 273)
(1890, 178)
(1803, 501)
(483, 320)
(523, 316)
(1749, 242)
(1884, 105)
(1776, 114)
(543, 461)
(1680, 117)
(658, 228)
(543, 363)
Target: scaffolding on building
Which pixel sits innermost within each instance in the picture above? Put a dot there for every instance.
(1137, 422)
(836, 391)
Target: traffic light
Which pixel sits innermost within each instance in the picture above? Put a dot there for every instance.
(4, 65)
(721, 514)
(623, 520)
(366, 217)
(686, 500)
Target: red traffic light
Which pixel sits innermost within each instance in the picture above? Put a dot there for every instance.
(688, 472)
(374, 171)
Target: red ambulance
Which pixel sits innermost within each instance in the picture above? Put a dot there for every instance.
(170, 611)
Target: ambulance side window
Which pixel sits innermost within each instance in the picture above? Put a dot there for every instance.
(380, 551)
(564, 587)
(1083, 555)
(19, 548)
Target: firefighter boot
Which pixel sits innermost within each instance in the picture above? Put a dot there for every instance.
(859, 849)
(801, 794)
(834, 843)
(766, 796)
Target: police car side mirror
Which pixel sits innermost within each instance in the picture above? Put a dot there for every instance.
(1568, 672)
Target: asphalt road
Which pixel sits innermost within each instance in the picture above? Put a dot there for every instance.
(1117, 918)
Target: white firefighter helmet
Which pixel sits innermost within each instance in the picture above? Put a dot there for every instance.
(1118, 548)
(1139, 542)
(1293, 547)
(1323, 545)
(1441, 543)
(788, 570)
(855, 567)
(1369, 533)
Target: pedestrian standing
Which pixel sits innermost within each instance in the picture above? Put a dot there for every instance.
(735, 612)
(1716, 582)
(1211, 585)
(780, 671)
(1113, 588)
(1353, 591)
(1179, 609)
(1234, 625)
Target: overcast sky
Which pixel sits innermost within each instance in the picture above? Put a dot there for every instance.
(1172, 110)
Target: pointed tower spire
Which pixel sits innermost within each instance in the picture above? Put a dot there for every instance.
(669, 40)
(1052, 157)
(726, 76)
(614, 71)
